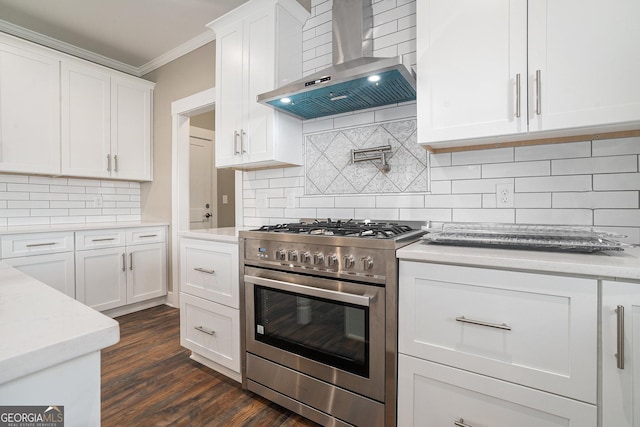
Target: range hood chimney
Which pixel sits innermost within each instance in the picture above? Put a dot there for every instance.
(355, 81)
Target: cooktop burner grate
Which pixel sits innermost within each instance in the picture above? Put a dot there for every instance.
(341, 228)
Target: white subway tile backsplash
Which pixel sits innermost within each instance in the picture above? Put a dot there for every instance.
(27, 188)
(377, 214)
(317, 202)
(454, 201)
(456, 173)
(65, 189)
(45, 196)
(400, 201)
(618, 181)
(614, 164)
(484, 215)
(27, 204)
(471, 186)
(553, 183)
(443, 215)
(614, 147)
(497, 155)
(532, 200)
(504, 170)
(22, 179)
(553, 151)
(402, 111)
(597, 200)
(351, 201)
(10, 195)
(617, 217)
(441, 187)
(18, 221)
(335, 213)
(555, 216)
(49, 212)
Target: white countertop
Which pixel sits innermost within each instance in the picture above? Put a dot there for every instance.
(23, 229)
(621, 265)
(224, 234)
(41, 327)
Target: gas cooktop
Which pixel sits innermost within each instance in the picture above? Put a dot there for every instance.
(350, 228)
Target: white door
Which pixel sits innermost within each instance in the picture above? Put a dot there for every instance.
(587, 55)
(146, 272)
(471, 56)
(101, 278)
(202, 180)
(620, 382)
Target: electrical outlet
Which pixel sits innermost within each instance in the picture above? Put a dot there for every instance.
(504, 195)
(262, 201)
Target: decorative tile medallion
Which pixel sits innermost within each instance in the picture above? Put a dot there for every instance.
(329, 169)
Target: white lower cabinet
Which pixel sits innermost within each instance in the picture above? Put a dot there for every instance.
(113, 270)
(211, 330)
(209, 303)
(496, 347)
(432, 394)
(620, 336)
(55, 270)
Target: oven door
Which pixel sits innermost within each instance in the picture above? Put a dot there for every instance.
(327, 329)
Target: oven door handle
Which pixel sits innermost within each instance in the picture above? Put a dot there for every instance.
(361, 300)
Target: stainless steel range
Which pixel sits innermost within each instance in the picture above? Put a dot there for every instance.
(319, 313)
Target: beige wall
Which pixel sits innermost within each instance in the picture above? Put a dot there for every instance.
(185, 76)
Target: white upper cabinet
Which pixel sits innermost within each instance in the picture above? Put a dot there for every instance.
(106, 123)
(258, 48)
(29, 109)
(508, 70)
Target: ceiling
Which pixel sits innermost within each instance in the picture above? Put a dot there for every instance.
(130, 35)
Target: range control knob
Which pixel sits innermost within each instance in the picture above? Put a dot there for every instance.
(318, 258)
(348, 261)
(367, 263)
(305, 256)
(280, 255)
(332, 260)
(292, 256)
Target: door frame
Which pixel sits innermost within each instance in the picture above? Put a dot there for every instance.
(181, 112)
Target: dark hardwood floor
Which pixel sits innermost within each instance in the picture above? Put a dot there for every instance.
(148, 379)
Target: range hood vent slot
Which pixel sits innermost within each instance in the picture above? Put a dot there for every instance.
(355, 81)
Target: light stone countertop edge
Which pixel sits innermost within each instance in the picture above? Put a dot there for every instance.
(613, 265)
(55, 228)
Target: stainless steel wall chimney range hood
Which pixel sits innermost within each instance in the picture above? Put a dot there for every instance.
(355, 81)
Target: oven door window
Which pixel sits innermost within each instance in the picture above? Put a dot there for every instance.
(329, 332)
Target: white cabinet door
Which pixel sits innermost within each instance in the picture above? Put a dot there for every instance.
(430, 394)
(130, 129)
(29, 109)
(101, 278)
(229, 99)
(86, 118)
(497, 323)
(620, 384)
(209, 270)
(146, 272)
(470, 56)
(258, 47)
(587, 54)
(56, 270)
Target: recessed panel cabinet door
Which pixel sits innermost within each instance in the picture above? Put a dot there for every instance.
(472, 59)
(620, 375)
(583, 63)
(29, 111)
(86, 131)
(146, 272)
(130, 129)
(229, 92)
(101, 278)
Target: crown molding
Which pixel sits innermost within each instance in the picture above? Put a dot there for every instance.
(63, 47)
(193, 44)
(32, 36)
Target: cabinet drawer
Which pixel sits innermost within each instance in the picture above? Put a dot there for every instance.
(444, 395)
(141, 236)
(532, 329)
(94, 239)
(211, 330)
(210, 270)
(17, 245)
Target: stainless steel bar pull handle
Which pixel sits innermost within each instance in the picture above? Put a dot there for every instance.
(538, 90)
(115, 163)
(130, 260)
(33, 245)
(460, 423)
(204, 270)
(205, 330)
(518, 95)
(236, 151)
(106, 239)
(620, 340)
(124, 262)
(242, 135)
(108, 162)
(148, 235)
(481, 323)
